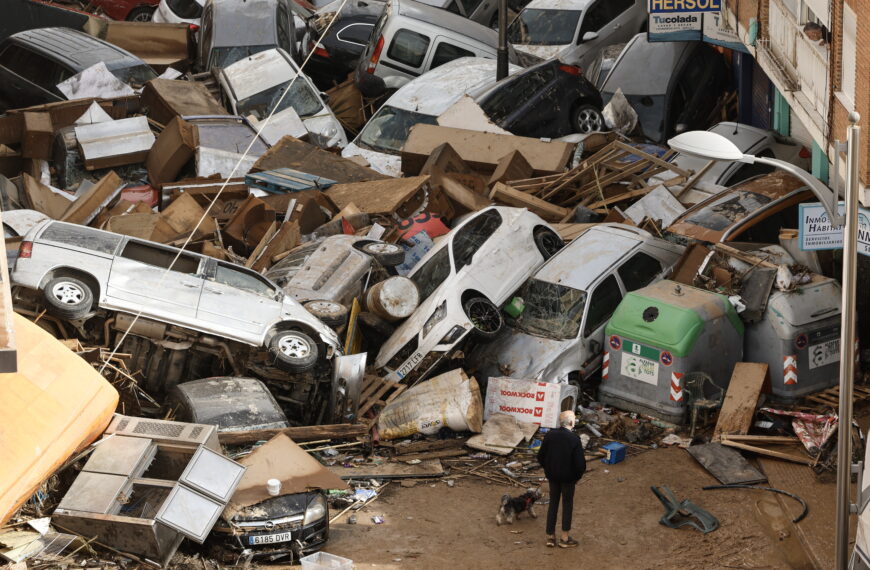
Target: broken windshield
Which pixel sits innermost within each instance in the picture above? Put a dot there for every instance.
(301, 97)
(544, 27)
(551, 310)
(388, 130)
(432, 273)
(728, 210)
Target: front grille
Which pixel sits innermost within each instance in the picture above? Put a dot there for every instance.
(404, 353)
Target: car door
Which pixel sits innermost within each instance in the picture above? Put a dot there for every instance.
(476, 269)
(238, 302)
(605, 297)
(27, 77)
(607, 18)
(448, 49)
(159, 281)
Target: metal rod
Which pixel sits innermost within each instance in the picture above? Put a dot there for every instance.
(501, 68)
(847, 339)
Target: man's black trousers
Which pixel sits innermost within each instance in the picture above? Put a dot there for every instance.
(565, 491)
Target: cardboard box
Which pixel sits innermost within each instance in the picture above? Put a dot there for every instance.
(298, 155)
(174, 148)
(158, 45)
(115, 143)
(86, 207)
(483, 151)
(37, 136)
(401, 196)
(246, 228)
(166, 99)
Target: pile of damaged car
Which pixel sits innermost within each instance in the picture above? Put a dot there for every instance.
(304, 281)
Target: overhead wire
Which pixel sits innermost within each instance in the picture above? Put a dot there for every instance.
(260, 127)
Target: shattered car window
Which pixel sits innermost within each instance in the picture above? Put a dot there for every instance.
(388, 130)
(136, 75)
(81, 236)
(728, 210)
(551, 310)
(471, 237)
(504, 101)
(432, 274)
(243, 280)
(301, 97)
(283, 271)
(544, 27)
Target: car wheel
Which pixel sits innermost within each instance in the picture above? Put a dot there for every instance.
(485, 317)
(588, 119)
(548, 242)
(294, 351)
(68, 298)
(140, 14)
(331, 313)
(387, 254)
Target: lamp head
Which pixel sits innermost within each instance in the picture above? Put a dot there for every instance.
(705, 144)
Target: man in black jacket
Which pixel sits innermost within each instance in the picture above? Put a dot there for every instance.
(561, 455)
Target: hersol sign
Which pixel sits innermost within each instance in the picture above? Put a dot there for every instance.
(678, 20)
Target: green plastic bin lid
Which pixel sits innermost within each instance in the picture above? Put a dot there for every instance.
(669, 316)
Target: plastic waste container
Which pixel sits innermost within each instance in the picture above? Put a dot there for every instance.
(325, 561)
(799, 339)
(660, 333)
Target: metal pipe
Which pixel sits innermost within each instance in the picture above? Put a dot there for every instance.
(847, 339)
(501, 68)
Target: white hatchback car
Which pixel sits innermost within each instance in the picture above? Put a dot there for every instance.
(568, 302)
(178, 12)
(254, 85)
(463, 282)
(575, 31)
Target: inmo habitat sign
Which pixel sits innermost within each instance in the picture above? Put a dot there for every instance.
(815, 230)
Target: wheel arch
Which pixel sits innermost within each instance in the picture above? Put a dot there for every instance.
(87, 278)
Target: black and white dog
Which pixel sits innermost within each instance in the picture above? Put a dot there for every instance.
(512, 506)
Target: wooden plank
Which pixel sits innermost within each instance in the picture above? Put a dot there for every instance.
(459, 193)
(726, 465)
(621, 197)
(439, 454)
(427, 468)
(393, 195)
(428, 445)
(8, 352)
(780, 439)
(769, 452)
(297, 434)
(654, 159)
(738, 408)
(507, 195)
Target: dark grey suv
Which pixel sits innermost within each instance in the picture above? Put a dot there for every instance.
(33, 62)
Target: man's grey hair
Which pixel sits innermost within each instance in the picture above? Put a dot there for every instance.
(566, 418)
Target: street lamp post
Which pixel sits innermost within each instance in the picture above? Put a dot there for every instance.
(713, 146)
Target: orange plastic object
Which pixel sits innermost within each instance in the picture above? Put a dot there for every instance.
(54, 406)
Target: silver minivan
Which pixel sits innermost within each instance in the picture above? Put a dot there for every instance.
(78, 268)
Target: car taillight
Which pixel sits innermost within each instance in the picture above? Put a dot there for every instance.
(25, 250)
(376, 55)
(571, 69)
(193, 27)
(320, 51)
(805, 153)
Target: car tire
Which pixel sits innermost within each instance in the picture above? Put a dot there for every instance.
(293, 351)
(140, 14)
(548, 242)
(68, 298)
(587, 119)
(387, 254)
(484, 316)
(331, 313)
(376, 324)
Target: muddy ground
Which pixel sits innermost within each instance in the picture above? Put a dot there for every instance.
(616, 519)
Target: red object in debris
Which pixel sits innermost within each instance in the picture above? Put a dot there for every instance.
(571, 69)
(143, 193)
(805, 153)
(136, 10)
(347, 228)
(427, 221)
(25, 250)
(376, 55)
(318, 49)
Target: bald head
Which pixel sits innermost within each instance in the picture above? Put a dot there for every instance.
(567, 419)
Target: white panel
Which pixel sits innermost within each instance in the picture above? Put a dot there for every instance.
(849, 52)
(821, 9)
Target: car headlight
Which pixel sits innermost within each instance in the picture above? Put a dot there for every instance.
(436, 318)
(316, 510)
(453, 335)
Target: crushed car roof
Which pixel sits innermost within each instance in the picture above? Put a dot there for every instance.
(75, 46)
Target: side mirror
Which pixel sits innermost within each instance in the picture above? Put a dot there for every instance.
(589, 36)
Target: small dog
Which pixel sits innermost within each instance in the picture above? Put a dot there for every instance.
(512, 506)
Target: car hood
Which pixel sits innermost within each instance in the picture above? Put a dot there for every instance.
(388, 164)
(543, 52)
(276, 507)
(516, 354)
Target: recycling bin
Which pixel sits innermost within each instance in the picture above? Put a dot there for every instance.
(799, 339)
(659, 334)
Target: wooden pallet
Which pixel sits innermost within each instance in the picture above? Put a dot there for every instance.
(831, 396)
(377, 392)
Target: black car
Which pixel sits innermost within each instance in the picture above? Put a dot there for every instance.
(290, 525)
(673, 86)
(33, 62)
(550, 99)
(336, 54)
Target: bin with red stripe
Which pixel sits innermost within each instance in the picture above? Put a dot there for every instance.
(659, 334)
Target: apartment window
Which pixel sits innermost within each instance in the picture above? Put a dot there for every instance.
(847, 60)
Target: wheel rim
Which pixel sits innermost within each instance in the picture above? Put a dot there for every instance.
(142, 17)
(382, 248)
(484, 316)
(68, 293)
(549, 243)
(294, 347)
(324, 307)
(588, 121)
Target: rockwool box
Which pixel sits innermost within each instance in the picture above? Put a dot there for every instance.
(528, 400)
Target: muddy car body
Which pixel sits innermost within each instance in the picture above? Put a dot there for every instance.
(78, 268)
(463, 282)
(558, 337)
(752, 211)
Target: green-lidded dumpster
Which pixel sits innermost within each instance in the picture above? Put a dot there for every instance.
(799, 339)
(660, 333)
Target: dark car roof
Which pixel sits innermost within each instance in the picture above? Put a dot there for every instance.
(244, 23)
(75, 48)
(646, 68)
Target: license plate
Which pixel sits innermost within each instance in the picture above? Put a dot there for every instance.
(270, 538)
(824, 353)
(639, 368)
(409, 364)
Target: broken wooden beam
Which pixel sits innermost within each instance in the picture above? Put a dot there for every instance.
(297, 434)
(512, 197)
